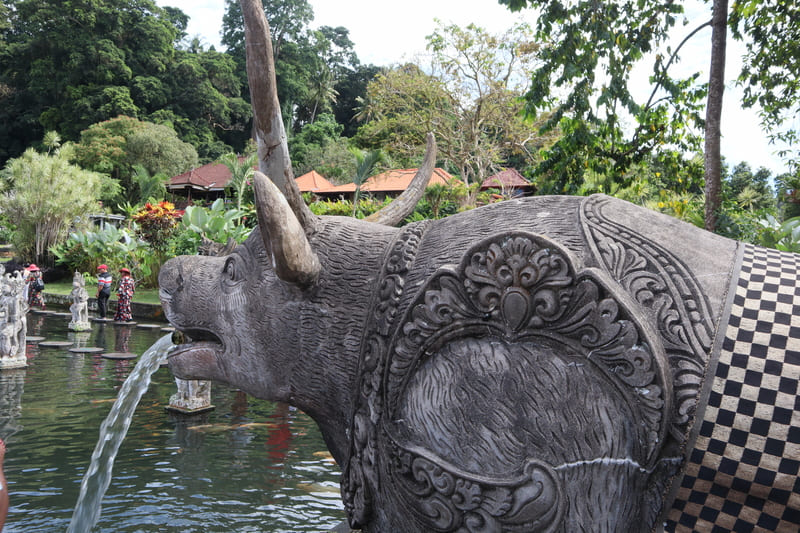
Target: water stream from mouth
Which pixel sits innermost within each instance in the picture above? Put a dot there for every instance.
(112, 432)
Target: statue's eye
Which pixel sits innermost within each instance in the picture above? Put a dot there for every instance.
(230, 272)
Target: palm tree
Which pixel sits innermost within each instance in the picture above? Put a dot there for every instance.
(241, 172)
(366, 161)
(151, 188)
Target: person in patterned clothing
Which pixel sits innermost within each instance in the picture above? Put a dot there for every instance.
(125, 291)
(35, 287)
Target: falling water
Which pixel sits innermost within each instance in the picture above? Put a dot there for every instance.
(112, 432)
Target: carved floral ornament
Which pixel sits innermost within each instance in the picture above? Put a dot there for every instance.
(520, 290)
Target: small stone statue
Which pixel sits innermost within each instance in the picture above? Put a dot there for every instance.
(80, 304)
(193, 396)
(13, 322)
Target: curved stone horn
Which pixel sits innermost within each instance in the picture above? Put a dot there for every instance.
(268, 129)
(403, 205)
(284, 236)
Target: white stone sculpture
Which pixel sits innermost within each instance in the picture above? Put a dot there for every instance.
(13, 322)
(80, 304)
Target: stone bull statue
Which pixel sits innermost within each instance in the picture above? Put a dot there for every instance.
(544, 364)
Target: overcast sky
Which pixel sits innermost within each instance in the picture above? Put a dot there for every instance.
(386, 33)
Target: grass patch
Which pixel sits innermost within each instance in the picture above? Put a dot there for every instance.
(144, 296)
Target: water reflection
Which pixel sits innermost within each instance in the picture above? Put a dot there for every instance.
(12, 385)
(249, 465)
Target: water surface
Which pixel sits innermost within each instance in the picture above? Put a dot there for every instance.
(247, 466)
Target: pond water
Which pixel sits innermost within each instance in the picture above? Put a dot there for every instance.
(247, 466)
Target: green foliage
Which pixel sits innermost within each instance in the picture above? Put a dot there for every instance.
(345, 208)
(141, 155)
(438, 201)
(770, 75)
(469, 97)
(307, 63)
(150, 188)
(784, 236)
(44, 195)
(585, 72)
(333, 160)
(241, 171)
(103, 146)
(68, 65)
(313, 138)
(216, 223)
(85, 251)
(365, 165)
(158, 149)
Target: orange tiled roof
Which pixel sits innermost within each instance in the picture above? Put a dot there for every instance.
(508, 178)
(391, 181)
(312, 182)
(214, 177)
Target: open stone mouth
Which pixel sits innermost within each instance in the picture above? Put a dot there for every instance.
(188, 339)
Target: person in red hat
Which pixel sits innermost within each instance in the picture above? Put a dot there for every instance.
(103, 290)
(125, 291)
(35, 287)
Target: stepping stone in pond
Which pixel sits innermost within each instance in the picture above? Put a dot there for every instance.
(148, 326)
(123, 323)
(101, 320)
(167, 330)
(33, 338)
(86, 349)
(63, 315)
(56, 344)
(119, 355)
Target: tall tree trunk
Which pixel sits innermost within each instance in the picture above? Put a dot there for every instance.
(716, 88)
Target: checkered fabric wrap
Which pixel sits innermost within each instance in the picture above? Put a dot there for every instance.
(742, 473)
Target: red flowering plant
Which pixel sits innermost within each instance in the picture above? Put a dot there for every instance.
(155, 224)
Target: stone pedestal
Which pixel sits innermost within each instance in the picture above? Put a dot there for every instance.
(193, 396)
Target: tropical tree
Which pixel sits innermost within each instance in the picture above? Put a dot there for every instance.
(70, 65)
(66, 66)
(366, 161)
(593, 48)
(44, 195)
(158, 149)
(294, 58)
(241, 169)
(770, 74)
(150, 187)
(469, 97)
(117, 146)
(351, 88)
(308, 63)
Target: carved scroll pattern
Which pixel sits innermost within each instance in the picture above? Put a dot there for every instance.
(659, 282)
(360, 472)
(453, 500)
(519, 286)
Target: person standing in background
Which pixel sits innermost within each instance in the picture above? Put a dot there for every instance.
(125, 291)
(103, 290)
(35, 287)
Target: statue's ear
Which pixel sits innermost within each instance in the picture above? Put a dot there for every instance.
(284, 237)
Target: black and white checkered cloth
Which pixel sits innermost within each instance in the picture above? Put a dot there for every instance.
(742, 473)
